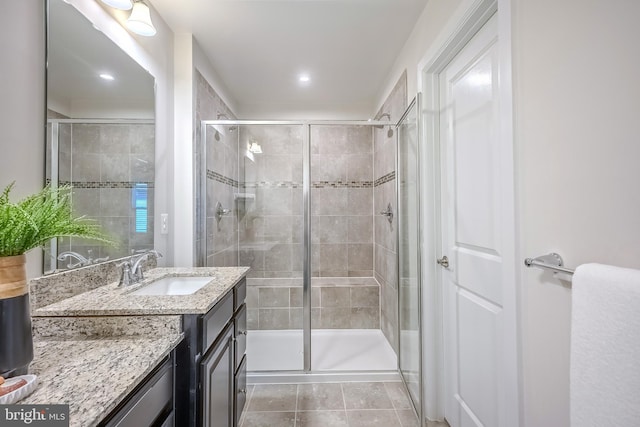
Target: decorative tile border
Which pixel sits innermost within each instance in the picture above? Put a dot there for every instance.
(275, 184)
(386, 178)
(287, 184)
(105, 184)
(342, 184)
(215, 176)
(94, 184)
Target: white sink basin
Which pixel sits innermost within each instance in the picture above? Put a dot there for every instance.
(173, 286)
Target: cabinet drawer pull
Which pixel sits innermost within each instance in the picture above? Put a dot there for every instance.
(243, 390)
(243, 332)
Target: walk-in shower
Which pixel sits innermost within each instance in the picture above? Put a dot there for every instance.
(301, 204)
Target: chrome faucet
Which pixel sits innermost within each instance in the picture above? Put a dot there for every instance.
(136, 268)
(82, 261)
(132, 268)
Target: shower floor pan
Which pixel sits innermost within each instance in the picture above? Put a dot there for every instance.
(331, 350)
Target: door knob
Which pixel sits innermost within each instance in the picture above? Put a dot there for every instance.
(444, 261)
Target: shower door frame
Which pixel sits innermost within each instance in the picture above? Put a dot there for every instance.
(415, 103)
(201, 210)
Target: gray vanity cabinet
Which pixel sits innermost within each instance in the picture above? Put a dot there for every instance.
(211, 375)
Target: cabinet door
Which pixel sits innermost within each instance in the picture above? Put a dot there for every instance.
(240, 391)
(241, 334)
(217, 383)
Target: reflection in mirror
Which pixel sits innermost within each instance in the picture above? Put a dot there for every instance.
(100, 138)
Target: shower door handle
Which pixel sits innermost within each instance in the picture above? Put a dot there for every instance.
(444, 261)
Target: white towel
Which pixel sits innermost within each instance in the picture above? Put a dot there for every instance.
(605, 347)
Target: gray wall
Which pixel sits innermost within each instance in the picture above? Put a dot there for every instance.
(22, 102)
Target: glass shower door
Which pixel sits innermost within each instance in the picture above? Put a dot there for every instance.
(254, 217)
(409, 252)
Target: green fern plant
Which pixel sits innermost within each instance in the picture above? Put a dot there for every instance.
(35, 220)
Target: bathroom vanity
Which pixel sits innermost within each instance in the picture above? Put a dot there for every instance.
(212, 392)
(196, 378)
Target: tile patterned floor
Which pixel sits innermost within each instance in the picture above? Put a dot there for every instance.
(356, 404)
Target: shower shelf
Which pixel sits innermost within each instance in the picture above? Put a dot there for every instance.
(244, 196)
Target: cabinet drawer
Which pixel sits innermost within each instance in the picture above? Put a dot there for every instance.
(240, 334)
(241, 391)
(239, 294)
(149, 402)
(215, 320)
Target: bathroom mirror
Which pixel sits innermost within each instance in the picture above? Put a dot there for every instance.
(100, 138)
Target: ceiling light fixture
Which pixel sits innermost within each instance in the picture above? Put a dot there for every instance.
(140, 20)
(304, 78)
(107, 76)
(119, 4)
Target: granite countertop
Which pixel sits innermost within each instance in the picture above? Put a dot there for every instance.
(94, 374)
(112, 300)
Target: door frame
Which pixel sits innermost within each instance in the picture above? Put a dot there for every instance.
(463, 25)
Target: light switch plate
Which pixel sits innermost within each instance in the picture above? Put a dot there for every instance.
(164, 223)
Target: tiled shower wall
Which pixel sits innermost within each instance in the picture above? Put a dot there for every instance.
(342, 201)
(336, 303)
(269, 205)
(221, 178)
(104, 162)
(344, 293)
(384, 193)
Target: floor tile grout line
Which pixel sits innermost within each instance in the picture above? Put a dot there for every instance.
(295, 413)
(247, 403)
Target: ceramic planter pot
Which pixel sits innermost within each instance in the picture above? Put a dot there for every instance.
(16, 340)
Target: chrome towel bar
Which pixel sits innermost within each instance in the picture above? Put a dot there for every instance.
(551, 261)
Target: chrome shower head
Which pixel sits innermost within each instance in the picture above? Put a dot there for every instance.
(388, 116)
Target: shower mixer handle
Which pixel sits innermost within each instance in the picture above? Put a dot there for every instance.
(220, 211)
(388, 213)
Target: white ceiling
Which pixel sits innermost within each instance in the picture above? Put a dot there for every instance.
(77, 55)
(259, 47)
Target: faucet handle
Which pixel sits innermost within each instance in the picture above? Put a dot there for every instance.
(126, 278)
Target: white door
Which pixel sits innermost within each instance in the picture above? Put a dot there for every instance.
(473, 206)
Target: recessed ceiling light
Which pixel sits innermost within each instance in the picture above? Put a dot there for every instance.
(107, 76)
(304, 78)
